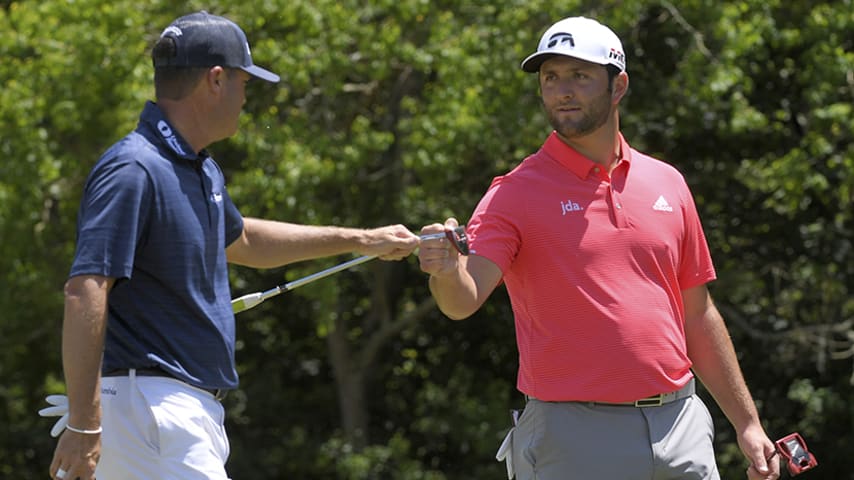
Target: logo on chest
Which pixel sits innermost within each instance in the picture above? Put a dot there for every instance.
(661, 205)
(570, 206)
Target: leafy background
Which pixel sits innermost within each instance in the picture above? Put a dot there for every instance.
(401, 111)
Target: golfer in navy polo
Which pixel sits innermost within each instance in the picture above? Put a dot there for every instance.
(148, 332)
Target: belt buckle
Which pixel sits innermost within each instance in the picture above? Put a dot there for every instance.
(655, 401)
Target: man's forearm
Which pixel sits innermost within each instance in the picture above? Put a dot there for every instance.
(455, 294)
(268, 244)
(84, 325)
(279, 243)
(715, 363)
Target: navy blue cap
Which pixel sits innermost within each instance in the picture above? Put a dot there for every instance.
(205, 40)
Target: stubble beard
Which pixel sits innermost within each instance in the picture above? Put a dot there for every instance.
(594, 115)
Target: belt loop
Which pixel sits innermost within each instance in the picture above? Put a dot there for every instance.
(132, 379)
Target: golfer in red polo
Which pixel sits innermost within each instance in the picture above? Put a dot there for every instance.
(606, 264)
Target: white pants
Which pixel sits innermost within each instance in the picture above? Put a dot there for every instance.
(157, 428)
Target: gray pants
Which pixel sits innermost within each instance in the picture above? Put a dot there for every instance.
(569, 440)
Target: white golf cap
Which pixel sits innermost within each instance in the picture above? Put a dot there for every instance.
(581, 38)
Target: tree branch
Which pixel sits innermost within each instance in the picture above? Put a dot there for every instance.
(386, 331)
(698, 36)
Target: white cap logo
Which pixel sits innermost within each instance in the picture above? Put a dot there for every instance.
(561, 39)
(173, 30)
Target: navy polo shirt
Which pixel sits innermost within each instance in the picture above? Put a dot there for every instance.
(156, 216)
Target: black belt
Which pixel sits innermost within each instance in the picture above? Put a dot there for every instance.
(653, 401)
(218, 393)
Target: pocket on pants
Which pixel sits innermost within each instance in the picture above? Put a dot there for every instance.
(526, 436)
(192, 438)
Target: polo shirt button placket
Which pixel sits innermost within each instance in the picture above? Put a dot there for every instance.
(619, 214)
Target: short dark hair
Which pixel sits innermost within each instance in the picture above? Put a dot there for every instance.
(173, 83)
(613, 71)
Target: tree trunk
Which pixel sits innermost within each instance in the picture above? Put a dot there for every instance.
(354, 360)
(350, 382)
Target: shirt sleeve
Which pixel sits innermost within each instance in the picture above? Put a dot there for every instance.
(233, 220)
(695, 263)
(112, 220)
(493, 230)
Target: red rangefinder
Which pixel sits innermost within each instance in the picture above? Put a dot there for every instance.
(798, 457)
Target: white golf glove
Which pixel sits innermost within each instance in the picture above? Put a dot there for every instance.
(505, 454)
(59, 409)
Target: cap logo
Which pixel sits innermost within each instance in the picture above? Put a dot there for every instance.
(560, 39)
(173, 30)
(617, 57)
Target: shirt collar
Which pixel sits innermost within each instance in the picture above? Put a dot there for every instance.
(577, 163)
(155, 126)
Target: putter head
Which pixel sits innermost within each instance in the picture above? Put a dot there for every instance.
(459, 239)
(797, 456)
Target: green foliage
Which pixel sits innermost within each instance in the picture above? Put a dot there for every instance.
(66, 70)
(402, 112)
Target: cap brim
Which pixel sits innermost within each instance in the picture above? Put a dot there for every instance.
(534, 61)
(261, 73)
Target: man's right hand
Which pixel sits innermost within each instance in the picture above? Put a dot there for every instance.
(76, 456)
(460, 284)
(438, 257)
(392, 242)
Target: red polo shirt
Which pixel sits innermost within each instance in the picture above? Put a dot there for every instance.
(594, 266)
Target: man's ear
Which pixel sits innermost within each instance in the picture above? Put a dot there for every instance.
(216, 78)
(620, 87)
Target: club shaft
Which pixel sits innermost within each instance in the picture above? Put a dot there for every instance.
(323, 273)
(250, 300)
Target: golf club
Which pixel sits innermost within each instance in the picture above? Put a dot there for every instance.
(457, 237)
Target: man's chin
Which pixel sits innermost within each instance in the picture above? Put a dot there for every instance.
(573, 132)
